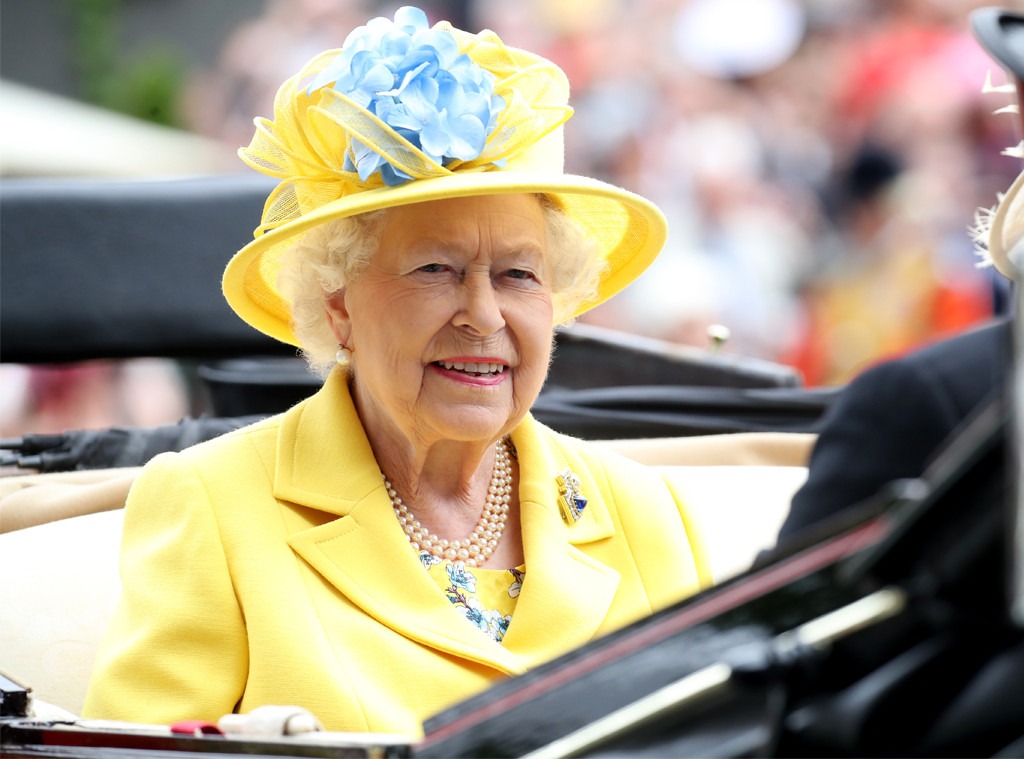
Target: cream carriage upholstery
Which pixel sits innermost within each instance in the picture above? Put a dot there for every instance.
(60, 535)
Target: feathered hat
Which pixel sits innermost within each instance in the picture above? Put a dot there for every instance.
(1000, 232)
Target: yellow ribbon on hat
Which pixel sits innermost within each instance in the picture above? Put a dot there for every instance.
(306, 142)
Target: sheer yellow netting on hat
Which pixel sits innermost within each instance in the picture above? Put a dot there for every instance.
(306, 144)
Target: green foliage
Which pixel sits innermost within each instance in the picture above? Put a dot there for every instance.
(144, 84)
(148, 87)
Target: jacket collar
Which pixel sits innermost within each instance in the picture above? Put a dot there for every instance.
(324, 461)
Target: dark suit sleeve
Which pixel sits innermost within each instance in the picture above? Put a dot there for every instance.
(886, 425)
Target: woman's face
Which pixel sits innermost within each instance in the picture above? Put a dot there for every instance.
(450, 324)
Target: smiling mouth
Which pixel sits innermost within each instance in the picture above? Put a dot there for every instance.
(483, 369)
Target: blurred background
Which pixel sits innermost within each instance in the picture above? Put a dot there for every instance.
(820, 161)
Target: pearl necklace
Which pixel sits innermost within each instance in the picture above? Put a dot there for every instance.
(478, 547)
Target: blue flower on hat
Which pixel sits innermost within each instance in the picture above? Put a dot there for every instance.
(415, 80)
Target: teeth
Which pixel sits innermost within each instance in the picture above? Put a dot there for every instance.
(473, 367)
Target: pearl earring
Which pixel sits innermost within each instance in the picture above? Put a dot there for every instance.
(343, 356)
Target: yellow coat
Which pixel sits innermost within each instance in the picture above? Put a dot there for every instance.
(267, 567)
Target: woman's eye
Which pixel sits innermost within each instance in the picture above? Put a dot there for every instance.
(519, 274)
(431, 268)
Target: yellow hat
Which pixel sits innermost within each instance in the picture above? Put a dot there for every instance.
(402, 114)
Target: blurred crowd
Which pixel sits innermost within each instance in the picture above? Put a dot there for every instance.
(820, 161)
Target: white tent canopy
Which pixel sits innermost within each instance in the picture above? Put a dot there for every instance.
(48, 135)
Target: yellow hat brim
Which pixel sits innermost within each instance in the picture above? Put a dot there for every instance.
(629, 231)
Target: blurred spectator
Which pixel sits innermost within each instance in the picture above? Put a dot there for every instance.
(90, 395)
(892, 288)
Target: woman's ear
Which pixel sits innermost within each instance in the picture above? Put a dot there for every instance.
(337, 316)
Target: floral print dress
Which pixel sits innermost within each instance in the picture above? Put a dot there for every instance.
(487, 597)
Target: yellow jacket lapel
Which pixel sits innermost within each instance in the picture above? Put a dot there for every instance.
(564, 589)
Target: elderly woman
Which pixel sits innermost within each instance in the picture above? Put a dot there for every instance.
(409, 534)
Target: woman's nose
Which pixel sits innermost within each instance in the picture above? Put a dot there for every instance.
(479, 309)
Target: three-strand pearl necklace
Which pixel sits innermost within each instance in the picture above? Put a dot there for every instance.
(478, 547)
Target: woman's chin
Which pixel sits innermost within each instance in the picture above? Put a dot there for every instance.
(472, 422)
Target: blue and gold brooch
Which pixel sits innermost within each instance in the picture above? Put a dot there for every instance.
(570, 499)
